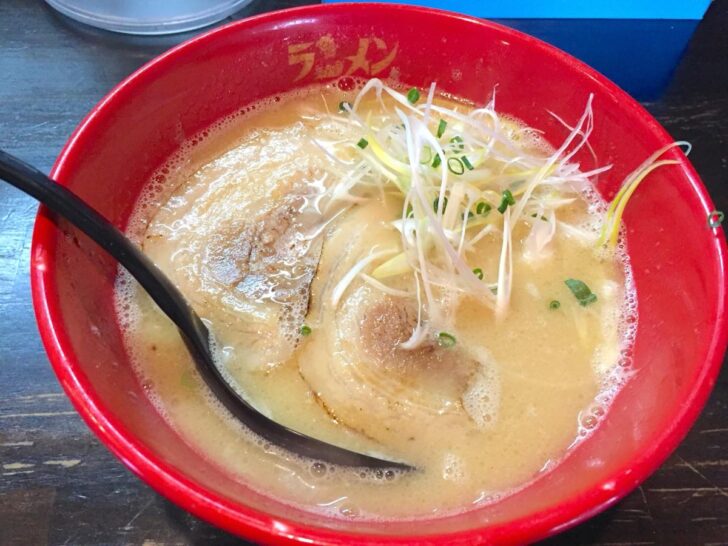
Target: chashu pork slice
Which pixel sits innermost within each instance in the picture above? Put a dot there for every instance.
(246, 266)
(235, 237)
(355, 366)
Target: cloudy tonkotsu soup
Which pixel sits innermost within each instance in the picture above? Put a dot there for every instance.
(412, 278)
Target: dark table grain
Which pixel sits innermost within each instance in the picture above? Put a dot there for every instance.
(59, 485)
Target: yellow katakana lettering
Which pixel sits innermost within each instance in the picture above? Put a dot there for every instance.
(297, 55)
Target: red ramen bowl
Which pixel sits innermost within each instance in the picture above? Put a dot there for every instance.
(679, 262)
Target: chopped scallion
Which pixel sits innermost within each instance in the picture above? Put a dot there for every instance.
(441, 128)
(426, 155)
(554, 304)
(581, 291)
(467, 163)
(305, 330)
(467, 215)
(413, 95)
(445, 340)
(363, 143)
(506, 201)
(410, 212)
(457, 143)
(436, 203)
(478, 273)
(483, 208)
(436, 162)
(344, 106)
(715, 218)
(455, 165)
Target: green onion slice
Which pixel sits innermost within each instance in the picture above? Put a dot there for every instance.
(413, 95)
(363, 143)
(426, 155)
(506, 201)
(483, 208)
(344, 106)
(554, 304)
(436, 203)
(455, 165)
(305, 330)
(436, 162)
(457, 143)
(441, 128)
(478, 273)
(467, 163)
(446, 340)
(581, 291)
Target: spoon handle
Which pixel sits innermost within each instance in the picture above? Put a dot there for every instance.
(66, 204)
(171, 301)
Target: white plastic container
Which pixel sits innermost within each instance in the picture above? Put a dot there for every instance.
(148, 16)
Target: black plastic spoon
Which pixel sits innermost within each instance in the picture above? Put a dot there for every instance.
(171, 301)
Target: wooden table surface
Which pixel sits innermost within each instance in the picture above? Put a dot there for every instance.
(59, 484)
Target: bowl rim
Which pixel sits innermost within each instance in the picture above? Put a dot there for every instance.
(257, 525)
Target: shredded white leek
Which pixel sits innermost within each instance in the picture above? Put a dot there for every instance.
(451, 170)
(612, 221)
(344, 283)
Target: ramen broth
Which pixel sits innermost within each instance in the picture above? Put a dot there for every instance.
(235, 219)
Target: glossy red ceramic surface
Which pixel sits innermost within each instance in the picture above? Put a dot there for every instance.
(679, 263)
